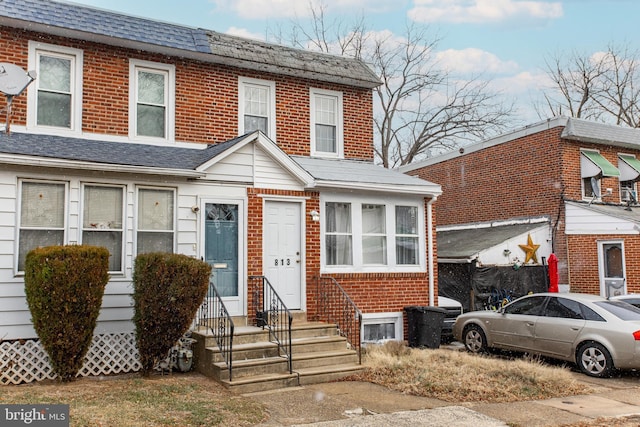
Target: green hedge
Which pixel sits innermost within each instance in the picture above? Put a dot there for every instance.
(64, 286)
(168, 290)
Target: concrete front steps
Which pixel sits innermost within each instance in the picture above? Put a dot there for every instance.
(319, 355)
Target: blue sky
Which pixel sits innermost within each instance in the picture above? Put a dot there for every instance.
(506, 39)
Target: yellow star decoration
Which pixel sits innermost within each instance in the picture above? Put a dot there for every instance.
(530, 250)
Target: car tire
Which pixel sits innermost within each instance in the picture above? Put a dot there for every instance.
(594, 360)
(475, 340)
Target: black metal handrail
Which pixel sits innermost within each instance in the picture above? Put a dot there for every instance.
(273, 314)
(215, 316)
(335, 306)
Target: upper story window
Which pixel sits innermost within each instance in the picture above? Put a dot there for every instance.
(629, 167)
(102, 221)
(593, 166)
(326, 123)
(372, 235)
(42, 216)
(151, 100)
(156, 220)
(256, 106)
(55, 99)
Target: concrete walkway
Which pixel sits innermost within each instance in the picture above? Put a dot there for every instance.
(360, 403)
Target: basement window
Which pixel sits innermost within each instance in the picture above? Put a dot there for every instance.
(378, 328)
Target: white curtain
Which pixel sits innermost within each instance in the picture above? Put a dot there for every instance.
(338, 235)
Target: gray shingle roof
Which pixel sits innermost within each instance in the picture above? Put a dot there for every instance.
(466, 243)
(601, 133)
(361, 172)
(72, 20)
(106, 152)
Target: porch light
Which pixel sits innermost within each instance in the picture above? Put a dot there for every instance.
(315, 216)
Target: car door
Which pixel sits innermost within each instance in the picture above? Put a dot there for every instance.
(514, 328)
(558, 327)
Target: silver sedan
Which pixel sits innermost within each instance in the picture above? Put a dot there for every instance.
(599, 335)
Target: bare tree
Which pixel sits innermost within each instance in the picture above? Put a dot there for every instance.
(602, 86)
(420, 107)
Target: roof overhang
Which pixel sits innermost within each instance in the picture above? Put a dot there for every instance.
(47, 162)
(421, 190)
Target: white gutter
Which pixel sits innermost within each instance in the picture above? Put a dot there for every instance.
(12, 159)
(430, 250)
(422, 190)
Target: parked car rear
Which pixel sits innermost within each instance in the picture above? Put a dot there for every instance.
(596, 333)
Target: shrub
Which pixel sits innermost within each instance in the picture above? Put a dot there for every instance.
(64, 286)
(168, 290)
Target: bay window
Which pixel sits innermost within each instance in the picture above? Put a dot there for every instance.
(370, 235)
(42, 216)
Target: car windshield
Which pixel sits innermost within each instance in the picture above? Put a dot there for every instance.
(620, 309)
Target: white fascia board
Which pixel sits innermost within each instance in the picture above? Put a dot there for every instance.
(105, 167)
(427, 191)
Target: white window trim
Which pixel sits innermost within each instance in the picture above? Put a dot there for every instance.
(123, 246)
(136, 229)
(243, 82)
(313, 92)
(356, 232)
(375, 318)
(19, 227)
(170, 70)
(76, 88)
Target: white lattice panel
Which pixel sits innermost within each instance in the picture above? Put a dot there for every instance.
(25, 361)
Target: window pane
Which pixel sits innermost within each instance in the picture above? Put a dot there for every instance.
(31, 239)
(54, 109)
(339, 250)
(150, 121)
(102, 207)
(252, 123)
(54, 74)
(155, 210)
(112, 240)
(374, 249)
(373, 219)
(326, 110)
(338, 217)
(325, 138)
(379, 331)
(407, 250)
(42, 205)
(155, 242)
(406, 220)
(255, 102)
(151, 88)
(613, 260)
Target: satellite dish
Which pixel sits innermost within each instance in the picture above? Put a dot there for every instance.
(13, 79)
(595, 187)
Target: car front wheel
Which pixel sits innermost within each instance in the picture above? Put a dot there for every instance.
(474, 339)
(594, 360)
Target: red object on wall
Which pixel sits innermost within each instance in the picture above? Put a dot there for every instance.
(553, 273)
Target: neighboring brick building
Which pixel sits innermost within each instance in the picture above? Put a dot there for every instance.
(140, 135)
(580, 175)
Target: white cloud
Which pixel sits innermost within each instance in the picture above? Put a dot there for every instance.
(482, 11)
(265, 9)
(474, 61)
(243, 32)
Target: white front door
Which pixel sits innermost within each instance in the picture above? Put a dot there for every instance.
(283, 250)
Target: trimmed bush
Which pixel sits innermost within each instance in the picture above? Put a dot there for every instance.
(64, 287)
(168, 290)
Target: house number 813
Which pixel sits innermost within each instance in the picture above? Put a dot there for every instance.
(281, 261)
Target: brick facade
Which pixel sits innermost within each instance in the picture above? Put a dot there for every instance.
(529, 176)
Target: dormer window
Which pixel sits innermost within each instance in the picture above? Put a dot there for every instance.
(152, 99)
(55, 102)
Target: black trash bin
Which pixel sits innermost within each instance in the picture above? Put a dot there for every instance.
(425, 325)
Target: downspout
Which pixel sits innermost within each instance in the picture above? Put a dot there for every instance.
(430, 250)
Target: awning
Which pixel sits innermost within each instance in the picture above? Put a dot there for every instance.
(629, 167)
(593, 164)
